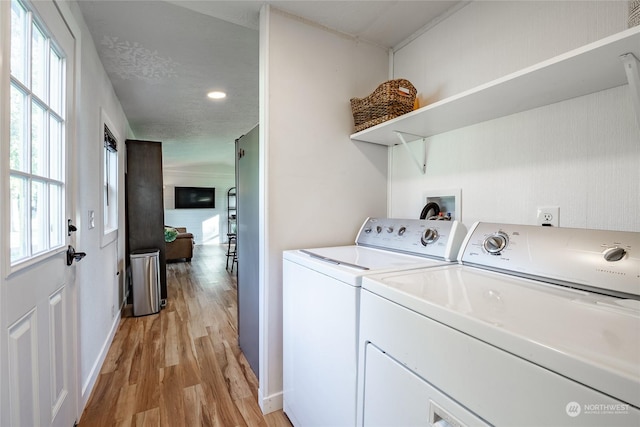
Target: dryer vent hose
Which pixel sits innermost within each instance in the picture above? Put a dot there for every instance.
(430, 207)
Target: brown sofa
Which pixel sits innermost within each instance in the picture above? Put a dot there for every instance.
(182, 247)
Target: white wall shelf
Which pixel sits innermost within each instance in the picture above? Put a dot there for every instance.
(588, 69)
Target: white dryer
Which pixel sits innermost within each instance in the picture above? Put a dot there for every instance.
(538, 326)
(321, 298)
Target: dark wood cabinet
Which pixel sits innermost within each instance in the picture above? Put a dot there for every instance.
(144, 203)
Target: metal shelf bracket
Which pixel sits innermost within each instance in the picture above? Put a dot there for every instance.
(633, 76)
(422, 167)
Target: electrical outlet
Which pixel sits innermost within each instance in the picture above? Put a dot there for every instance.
(548, 216)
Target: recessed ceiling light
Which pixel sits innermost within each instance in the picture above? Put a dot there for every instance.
(217, 95)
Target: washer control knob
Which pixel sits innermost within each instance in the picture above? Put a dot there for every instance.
(496, 243)
(367, 230)
(429, 236)
(378, 229)
(402, 230)
(614, 254)
(390, 229)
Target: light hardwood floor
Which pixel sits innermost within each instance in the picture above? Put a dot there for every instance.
(183, 366)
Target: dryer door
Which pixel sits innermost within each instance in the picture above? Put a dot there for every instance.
(395, 396)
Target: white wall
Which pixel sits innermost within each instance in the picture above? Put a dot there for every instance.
(581, 155)
(100, 276)
(317, 185)
(207, 225)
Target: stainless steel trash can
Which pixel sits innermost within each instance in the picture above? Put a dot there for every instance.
(145, 278)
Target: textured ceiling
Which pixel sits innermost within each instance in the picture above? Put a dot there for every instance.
(162, 57)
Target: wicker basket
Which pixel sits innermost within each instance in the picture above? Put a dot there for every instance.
(634, 13)
(390, 100)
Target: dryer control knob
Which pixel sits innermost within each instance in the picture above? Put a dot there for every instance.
(429, 236)
(496, 243)
(614, 254)
(402, 230)
(378, 229)
(390, 229)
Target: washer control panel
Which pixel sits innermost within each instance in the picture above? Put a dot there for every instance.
(496, 243)
(437, 239)
(606, 260)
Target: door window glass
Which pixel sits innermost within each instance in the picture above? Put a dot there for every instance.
(37, 138)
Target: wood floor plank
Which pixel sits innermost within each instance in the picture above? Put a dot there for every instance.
(150, 418)
(250, 412)
(105, 392)
(196, 326)
(277, 419)
(182, 366)
(176, 295)
(193, 402)
(136, 342)
(249, 375)
(124, 423)
(171, 341)
(151, 361)
(126, 403)
(187, 357)
(171, 404)
(114, 357)
(234, 375)
(207, 315)
(214, 384)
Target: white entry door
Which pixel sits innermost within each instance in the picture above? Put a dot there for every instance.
(38, 385)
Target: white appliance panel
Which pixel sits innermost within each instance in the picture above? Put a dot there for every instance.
(593, 259)
(498, 386)
(319, 347)
(321, 294)
(537, 326)
(437, 239)
(421, 403)
(573, 332)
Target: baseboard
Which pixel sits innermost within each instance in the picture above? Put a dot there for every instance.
(88, 385)
(269, 404)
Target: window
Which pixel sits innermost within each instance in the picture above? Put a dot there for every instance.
(36, 141)
(110, 184)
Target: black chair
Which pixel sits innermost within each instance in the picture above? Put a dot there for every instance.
(232, 250)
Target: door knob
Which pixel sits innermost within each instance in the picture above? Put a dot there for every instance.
(71, 228)
(72, 255)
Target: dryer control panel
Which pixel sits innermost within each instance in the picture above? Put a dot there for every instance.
(436, 239)
(596, 260)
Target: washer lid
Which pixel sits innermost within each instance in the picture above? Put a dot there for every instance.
(591, 338)
(350, 263)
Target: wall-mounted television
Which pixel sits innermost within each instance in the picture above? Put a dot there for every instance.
(195, 197)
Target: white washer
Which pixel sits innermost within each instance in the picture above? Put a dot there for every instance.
(539, 326)
(321, 297)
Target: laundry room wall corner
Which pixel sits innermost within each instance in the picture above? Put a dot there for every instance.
(318, 185)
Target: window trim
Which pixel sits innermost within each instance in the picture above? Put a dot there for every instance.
(108, 236)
